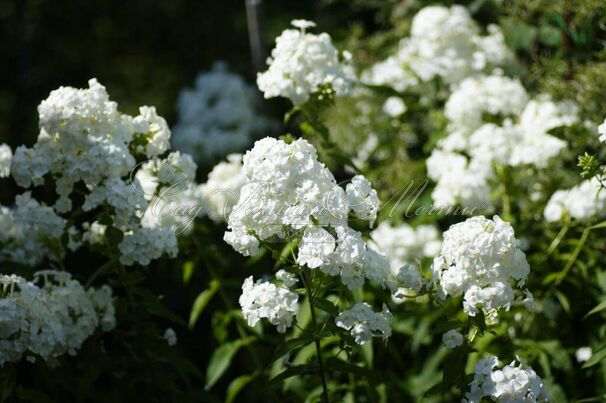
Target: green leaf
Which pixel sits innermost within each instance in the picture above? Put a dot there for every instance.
(454, 369)
(201, 301)
(188, 271)
(114, 235)
(290, 346)
(595, 358)
(326, 306)
(236, 386)
(600, 307)
(294, 371)
(335, 364)
(221, 360)
(563, 300)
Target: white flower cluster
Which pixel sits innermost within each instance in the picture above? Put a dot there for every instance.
(6, 155)
(221, 191)
(263, 299)
(50, 319)
(30, 232)
(405, 247)
(363, 322)
(218, 116)
(511, 383)
(479, 259)
(301, 64)
(452, 339)
(85, 139)
(444, 43)
(582, 202)
(519, 137)
(288, 189)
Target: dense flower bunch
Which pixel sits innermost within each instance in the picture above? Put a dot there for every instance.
(277, 304)
(219, 115)
(288, 194)
(84, 139)
(581, 202)
(302, 64)
(479, 259)
(493, 121)
(30, 232)
(511, 383)
(362, 322)
(51, 316)
(6, 155)
(444, 43)
(221, 191)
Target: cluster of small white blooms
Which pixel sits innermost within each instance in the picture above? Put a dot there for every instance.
(29, 231)
(286, 188)
(602, 131)
(364, 323)
(444, 43)
(301, 64)
(459, 180)
(263, 299)
(174, 197)
(218, 116)
(479, 258)
(221, 190)
(52, 319)
(83, 137)
(405, 246)
(142, 245)
(511, 383)
(170, 336)
(582, 202)
(6, 155)
(452, 339)
(495, 95)
(522, 138)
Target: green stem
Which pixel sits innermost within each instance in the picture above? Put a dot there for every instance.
(574, 256)
(316, 336)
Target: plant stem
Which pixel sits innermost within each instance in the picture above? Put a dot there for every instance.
(314, 324)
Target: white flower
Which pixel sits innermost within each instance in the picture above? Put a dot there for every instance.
(287, 189)
(394, 106)
(315, 248)
(362, 198)
(50, 319)
(582, 202)
(583, 354)
(287, 278)
(170, 336)
(479, 258)
(222, 189)
(300, 64)
(602, 131)
(266, 300)
(302, 24)
(363, 322)
(30, 231)
(218, 115)
(444, 43)
(452, 339)
(6, 156)
(511, 383)
(152, 134)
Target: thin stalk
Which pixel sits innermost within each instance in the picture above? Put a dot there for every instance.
(574, 256)
(314, 325)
